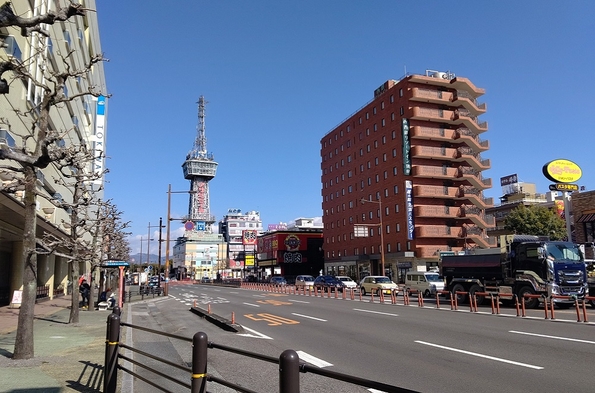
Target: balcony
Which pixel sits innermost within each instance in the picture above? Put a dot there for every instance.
(463, 116)
(474, 159)
(434, 153)
(431, 133)
(474, 196)
(474, 177)
(456, 83)
(439, 231)
(477, 216)
(466, 100)
(433, 114)
(435, 192)
(436, 211)
(433, 172)
(433, 96)
(478, 236)
(466, 136)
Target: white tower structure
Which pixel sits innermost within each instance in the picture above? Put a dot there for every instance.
(200, 167)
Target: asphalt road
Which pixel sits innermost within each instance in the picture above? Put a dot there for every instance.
(422, 349)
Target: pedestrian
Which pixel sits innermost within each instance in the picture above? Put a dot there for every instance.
(85, 290)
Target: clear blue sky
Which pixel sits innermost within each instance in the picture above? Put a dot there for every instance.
(279, 75)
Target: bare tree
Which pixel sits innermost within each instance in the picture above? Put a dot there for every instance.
(38, 150)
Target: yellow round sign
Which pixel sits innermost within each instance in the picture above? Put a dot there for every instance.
(562, 171)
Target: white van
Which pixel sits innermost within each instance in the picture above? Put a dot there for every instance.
(427, 283)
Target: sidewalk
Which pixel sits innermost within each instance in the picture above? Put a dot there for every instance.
(68, 357)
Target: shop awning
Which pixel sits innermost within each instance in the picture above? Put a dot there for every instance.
(587, 218)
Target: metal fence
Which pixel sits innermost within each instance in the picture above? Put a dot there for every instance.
(289, 363)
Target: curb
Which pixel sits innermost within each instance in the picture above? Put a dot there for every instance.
(223, 323)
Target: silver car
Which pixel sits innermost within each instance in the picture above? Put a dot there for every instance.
(304, 282)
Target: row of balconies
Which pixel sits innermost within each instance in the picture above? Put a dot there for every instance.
(459, 135)
(454, 117)
(458, 83)
(473, 213)
(474, 234)
(459, 193)
(469, 174)
(457, 99)
(451, 154)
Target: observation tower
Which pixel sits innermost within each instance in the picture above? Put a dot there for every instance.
(200, 167)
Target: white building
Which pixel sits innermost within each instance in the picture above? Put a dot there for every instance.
(82, 120)
(239, 231)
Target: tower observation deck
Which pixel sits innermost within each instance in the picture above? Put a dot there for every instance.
(200, 167)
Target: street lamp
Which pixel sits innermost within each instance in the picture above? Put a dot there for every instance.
(141, 252)
(169, 219)
(379, 202)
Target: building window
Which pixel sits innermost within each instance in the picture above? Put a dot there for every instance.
(361, 168)
(360, 120)
(367, 132)
(394, 134)
(375, 127)
(376, 161)
(349, 174)
(361, 152)
(400, 92)
(374, 110)
(384, 139)
(377, 179)
(402, 111)
(382, 105)
(397, 208)
(384, 157)
(385, 175)
(392, 98)
(382, 122)
(375, 144)
(398, 246)
(369, 165)
(408, 246)
(367, 116)
(394, 153)
(395, 171)
(369, 181)
(396, 189)
(368, 148)
(388, 247)
(392, 116)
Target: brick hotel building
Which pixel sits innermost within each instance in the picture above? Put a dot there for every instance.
(414, 152)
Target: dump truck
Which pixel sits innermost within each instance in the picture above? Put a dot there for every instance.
(522, 265)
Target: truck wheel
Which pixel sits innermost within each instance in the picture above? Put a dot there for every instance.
(476, 288)
(459, 288)
(529, 302)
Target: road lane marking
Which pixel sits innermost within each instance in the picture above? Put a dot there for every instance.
(306, 316)
(250, 304)
(553, 337)
(274, 302)
(481, 355)
(299, 301)
(254, 334)
(376, 312)
(274, 320)
(313, 360)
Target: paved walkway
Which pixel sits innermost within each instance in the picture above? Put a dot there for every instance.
(68, 357)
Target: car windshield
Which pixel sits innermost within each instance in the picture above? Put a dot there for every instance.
(561, 251)
(345, 279)
(383, 280)
(432, 277)
(308, 278)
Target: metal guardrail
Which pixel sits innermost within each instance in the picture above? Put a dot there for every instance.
(289, 363)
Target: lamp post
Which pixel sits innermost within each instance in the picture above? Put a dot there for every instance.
(169, 219)
(141, 252)
(379, 202)
(149, 239)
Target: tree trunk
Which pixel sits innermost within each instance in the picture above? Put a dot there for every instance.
(23, 346)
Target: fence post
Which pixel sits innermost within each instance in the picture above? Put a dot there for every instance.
(200, 345)
(289, 372)
(110, 372)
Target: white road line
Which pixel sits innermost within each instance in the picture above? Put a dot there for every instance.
(299, 301)
(481, 356)
(259, 295)
(553, 337)
(306, 316)
(376, 312)
(313, 360)
(250, 304)
(254, 334)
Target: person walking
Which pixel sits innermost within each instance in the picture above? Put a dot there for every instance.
(85, 290)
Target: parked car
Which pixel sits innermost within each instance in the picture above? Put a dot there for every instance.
(206, 280)
(427, 283)
(304, 281)
(348, 281)
(377, 284)
(321, 283)
(278, 280)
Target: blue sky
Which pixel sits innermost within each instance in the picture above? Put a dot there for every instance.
(279, 75)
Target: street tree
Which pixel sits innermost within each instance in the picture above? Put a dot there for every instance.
(42, 146)
(536, 220)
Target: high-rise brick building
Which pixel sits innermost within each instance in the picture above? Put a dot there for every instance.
(414, 153)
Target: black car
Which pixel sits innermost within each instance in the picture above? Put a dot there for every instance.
(321, 283)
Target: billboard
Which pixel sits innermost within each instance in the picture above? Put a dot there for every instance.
(249, 236)
(406, 147)
(409, 208)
